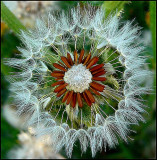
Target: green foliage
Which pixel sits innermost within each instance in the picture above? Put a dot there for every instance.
(10, 19)
(112, 6)
(153, 30)
(7, 52)
(138, 11)
(94, 3)
(9, 137)
(65, 5)
(153, 25)
(4, 89)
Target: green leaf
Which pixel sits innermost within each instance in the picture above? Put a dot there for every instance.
(153, 30)
(9, 137)
(153, 25)
(94, 3)
(112, 6)
(10, 19)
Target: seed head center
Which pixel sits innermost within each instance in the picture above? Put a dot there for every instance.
(78, 78)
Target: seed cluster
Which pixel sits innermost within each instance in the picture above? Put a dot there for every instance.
(73, 94)
(78, 78)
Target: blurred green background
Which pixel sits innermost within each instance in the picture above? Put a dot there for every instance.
(144, 144)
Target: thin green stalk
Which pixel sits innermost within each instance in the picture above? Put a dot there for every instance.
(153, 25)
(11, 20)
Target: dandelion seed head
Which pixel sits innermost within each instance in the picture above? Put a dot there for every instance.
(87, 76)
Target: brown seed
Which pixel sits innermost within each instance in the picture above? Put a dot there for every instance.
(59, 67)
(81, 55)
(75, 56)
(87, 59)
(57, 83)
(84, 59)
(60, 87)
(94, 91)
(57, 74)
(96, 67)
(73, 102)
(97, 86)
(97, 71)
(59, 78)
(65, 97)
(55, 71)
(70, 59)
(69, 97)
(61, 92)
(79, 99)
(62, 64)
(90, 96)
(88, 62)
(65, 60)
(62, 72)
(99, 78)
(93, 61)
(99, 74)
(87, 99)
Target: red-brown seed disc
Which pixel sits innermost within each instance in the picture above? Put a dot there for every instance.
(73, 102)
(97, 86)
(61, 92)
(60, 87)
(55, 71)
(70, 59)
(98, 70)
(87, 99)
(94, 91)
(59, 78)
(62, 64)
(65, 60)
(99, 74)
(90, 96)
(87, 59)
(53, 74)
(57, 83)
(93, 61)
(79, 99)
(65, 96)
(59, 67)
(69, 97)
(99, 78)
(96, 67)
(83, 60)
(81, 55)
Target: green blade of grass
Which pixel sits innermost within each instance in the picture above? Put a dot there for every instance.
(153, 25)
(153, 30)
(11, 20)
